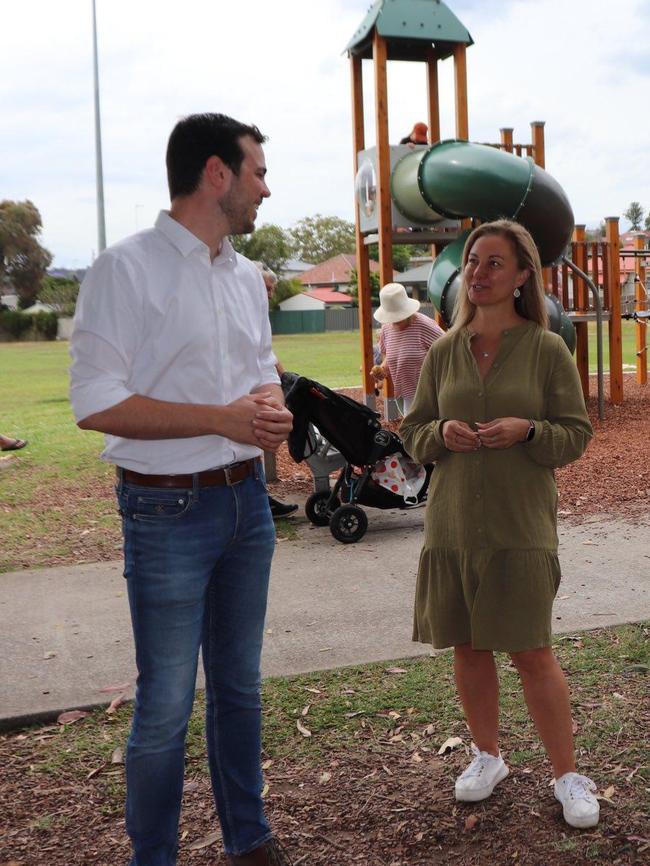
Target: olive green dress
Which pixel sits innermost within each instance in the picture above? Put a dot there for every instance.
(489, 568)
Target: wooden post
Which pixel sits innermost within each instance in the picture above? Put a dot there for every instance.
(363, 261)
(641, 327)
(433, 99)
(384, 203)
(460, 81)
(581, 304)
(506, 138)
(537, 136)
(615, 345)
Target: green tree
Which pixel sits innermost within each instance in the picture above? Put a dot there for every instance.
(285, 289)
(23, 260)
(401, 255)
(647, 223)
(269, 244)
(318, 238)
(375, 285)
(634, 214)
(59, 293)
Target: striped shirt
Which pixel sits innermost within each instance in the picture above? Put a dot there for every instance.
(406, 350)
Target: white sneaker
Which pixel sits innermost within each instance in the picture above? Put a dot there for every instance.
(579, 806)
(481, 777)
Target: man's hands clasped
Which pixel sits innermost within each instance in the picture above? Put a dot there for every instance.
(257, 419)
(500, 433)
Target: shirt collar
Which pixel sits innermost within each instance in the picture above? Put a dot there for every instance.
(186, 242)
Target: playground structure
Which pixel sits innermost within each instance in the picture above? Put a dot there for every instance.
(434, 194)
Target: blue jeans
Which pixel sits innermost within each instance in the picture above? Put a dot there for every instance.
(197, 565)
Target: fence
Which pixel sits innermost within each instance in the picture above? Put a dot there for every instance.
(317, 321)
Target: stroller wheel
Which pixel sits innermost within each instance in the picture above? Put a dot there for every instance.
(316, 507)
(348, 524)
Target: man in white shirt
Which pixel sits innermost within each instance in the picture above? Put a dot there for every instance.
(172, 360)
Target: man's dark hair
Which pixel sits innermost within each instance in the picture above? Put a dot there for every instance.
(195, 139)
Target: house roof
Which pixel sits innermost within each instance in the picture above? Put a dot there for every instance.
(420, 274)
(328, 297)
(335, 271)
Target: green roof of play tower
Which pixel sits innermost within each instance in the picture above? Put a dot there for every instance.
(410, 27)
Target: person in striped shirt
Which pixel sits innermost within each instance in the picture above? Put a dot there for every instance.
(404, 340)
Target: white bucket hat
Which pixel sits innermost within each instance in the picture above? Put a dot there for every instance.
(394, 304)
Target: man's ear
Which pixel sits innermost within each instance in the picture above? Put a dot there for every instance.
(217, 173)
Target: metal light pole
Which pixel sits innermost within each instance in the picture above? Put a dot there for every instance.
(101, 221)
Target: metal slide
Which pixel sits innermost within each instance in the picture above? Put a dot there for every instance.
(459, 179)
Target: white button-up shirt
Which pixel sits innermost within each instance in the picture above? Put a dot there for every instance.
(156, 317)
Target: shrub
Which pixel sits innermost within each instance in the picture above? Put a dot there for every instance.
(45, 325)
(14, 323)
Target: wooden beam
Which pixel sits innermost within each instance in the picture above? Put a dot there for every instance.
(363, 262)
(641, 326)
(506, 138)
(383, 161)
(460, 82)
(581, 303)
(537, 136)
(615, 344)
(433, 98)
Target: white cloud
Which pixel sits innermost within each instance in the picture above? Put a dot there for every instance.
(577, 65)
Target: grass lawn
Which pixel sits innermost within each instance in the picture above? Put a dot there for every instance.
(352, 766)
(56, 496)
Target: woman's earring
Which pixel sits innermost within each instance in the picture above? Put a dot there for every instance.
(517, 292)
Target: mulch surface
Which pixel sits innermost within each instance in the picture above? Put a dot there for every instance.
(373, 804)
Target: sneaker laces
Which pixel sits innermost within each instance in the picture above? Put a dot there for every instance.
(478, 764)
(581, 788)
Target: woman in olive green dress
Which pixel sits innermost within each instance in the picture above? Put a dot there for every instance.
(498, 408)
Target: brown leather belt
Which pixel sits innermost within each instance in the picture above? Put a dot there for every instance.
(224, 477)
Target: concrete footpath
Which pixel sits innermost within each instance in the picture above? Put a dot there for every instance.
(65, 639)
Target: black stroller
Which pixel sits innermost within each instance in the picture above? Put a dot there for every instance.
(354, 430)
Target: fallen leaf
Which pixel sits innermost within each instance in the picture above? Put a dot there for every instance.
(117, 757)
(190, 787)
(267, 764)
(96, 771)
(386, 770)
(448, 745)
(355, 713)
(49, 654)
(120, 687)
(396, 670)
(305, 710)
(71, 716)
(324, 777)
(265, 789)
(417, 758)
(429, 731)
(313, 691)
(471, 821)
(114, 704)
(184, 835)
(303, 730)
(208, 840)
(393, 715)
(419, 836)
(608, 793)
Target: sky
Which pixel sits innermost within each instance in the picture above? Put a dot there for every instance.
(582, 66)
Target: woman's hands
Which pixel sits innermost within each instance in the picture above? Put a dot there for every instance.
(503, 432)
(500, 433)
(459, 436)
(378, 372)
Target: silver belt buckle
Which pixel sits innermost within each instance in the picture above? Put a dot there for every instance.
(230, 482)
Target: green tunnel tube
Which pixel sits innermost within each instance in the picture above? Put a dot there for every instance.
(444, 283)
(459, 179)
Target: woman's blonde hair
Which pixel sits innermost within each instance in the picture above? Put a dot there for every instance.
(532, 304)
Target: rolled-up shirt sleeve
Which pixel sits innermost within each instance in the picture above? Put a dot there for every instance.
(267, 358)
(107, 329)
